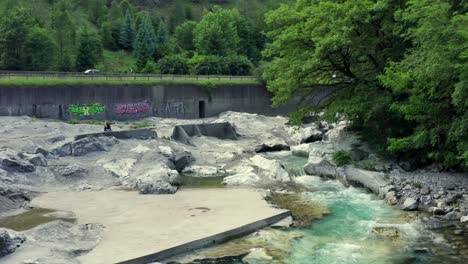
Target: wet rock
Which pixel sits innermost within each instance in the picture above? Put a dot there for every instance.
(301, 150)
(387, 232)
(320, 167)
(223, 130)
(182, 160)
(56, 139)
(371, 180)
(464, 219)
(410, 204)
(390, 197)
(258, 256)
(10, 241)
(271, 148)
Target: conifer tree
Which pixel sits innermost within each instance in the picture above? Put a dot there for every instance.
(145, 42)
(127, 32)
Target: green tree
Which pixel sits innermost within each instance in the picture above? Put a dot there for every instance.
(38, 49)
(173, 64)
(432, 81)
(161, 43)
(64, 35)
(145, 42)
(184, 35)
(127, 33)
(89, 50)
(216, 33)
(14, 28)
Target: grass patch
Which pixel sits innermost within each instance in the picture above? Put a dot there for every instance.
(126, 80)
(341, 158)
(141, 125)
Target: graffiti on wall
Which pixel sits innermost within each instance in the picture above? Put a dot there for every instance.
(131, 108)
(87, 109)
(172, 109)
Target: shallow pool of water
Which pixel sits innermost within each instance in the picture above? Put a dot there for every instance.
(30, 219)
(192, 181)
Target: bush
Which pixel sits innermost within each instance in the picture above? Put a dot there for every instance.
(341, 158)
(150, 67)
(217, 65)
(74, 121)
(173, 64)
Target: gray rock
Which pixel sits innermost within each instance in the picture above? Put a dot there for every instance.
(183, 160)
(410, 204)
(425, 190)
(320, 167)
(300, 150)
(371, 180)
(10, 241)
(62, 151)
(69, 171)
(453, 198)
(35, 159)
(56, 139)
(464, 219)
(271, 148)
(87, 145)
(11, 161)
(405, 165)
(436, 211)
(258, 256)
(41, 151)
(452, 216)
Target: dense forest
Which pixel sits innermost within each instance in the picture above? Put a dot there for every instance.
(169, 37)
(398, 68)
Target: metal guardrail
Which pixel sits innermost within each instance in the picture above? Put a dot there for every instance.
(116, 76)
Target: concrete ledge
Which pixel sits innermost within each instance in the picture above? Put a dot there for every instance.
(142, 134)
(209, 241)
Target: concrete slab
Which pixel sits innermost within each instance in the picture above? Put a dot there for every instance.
(140, 225)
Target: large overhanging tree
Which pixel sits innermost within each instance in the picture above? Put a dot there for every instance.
(346, 47)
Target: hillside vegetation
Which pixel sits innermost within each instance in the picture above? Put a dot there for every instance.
(148, 36)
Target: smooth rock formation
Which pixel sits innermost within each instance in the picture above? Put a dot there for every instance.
(320, 167)
(372, 180)
(85, 146)
(272, 169)
(242, 179)
(300, 150)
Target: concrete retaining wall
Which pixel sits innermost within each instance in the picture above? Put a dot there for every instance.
(209, 241)
(133, 102)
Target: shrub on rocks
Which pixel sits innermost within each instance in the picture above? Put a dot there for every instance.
(341, 158)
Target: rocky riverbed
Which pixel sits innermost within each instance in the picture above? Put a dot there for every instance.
(38, 156)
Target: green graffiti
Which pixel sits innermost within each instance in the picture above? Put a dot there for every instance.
(87, 109)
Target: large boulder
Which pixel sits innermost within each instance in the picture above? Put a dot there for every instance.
(307, 134)
(10, 241)
(71, 171)
(182, 160)
(271, 148)
(271, 169)
(35, 159)
(153, 174)
(12, 162)
(85, 146)
(410, 204)
(301, 150)
(12, 198)
(320, 167)
(371, 180)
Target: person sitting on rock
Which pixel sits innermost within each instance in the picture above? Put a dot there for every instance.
(107, 126)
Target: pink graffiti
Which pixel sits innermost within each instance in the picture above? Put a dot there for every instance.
(131, 108)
